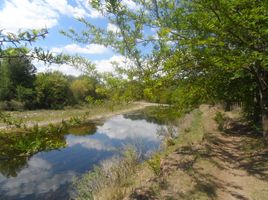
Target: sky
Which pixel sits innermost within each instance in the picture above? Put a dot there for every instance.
(56, 15)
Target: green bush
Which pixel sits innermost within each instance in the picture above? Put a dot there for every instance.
(3, 105)
(12, 105)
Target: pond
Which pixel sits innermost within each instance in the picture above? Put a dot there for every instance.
(48, 173)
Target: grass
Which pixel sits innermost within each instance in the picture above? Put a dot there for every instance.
(109, 180)
(196, 164)
(116, 181)
(155, 163)
(45, 117)
(195, 132)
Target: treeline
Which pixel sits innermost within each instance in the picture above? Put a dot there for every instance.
(22, 88)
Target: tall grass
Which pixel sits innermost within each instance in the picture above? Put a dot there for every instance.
(109, 180)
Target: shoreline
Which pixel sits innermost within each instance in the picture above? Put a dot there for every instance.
(134, 106)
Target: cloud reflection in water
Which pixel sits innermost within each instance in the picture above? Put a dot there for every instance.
(35, 179)
(121, 128)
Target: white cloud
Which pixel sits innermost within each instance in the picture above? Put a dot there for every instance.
(95, 14)
(113, 28)
(106, 65)
(131, 4)
(76, 49)
(65, 69)
(62, 7)
(29, 14)
(92, 13)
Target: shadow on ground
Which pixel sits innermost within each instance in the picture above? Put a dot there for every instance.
(214, 168)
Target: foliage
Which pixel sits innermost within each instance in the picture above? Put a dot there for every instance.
(17, 78)
(10, 121)
(155, 163)
(206, 51)
(52, 90)
(81, 88)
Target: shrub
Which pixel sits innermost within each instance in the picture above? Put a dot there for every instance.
(12, 105)
(3, 105)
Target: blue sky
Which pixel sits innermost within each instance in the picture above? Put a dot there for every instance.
(59, 15)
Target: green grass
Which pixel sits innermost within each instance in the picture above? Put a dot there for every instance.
(56, 116)
(155, 163)
(192, 133)
(118, 180)
(109, 180)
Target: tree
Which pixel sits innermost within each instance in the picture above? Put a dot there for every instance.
(230, 36)
(17, 77)
(52, 90)
(203, 45)
(81, 88)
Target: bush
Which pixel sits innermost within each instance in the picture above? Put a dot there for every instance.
(3, 105)
(52, 91)
(12, 105)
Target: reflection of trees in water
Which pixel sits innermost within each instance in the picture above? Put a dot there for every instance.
(86, 129)
(10, 167)
(158, 115)
(16, 149)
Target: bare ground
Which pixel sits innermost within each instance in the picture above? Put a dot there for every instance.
(229, 165)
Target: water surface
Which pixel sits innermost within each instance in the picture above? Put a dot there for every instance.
(48, 173)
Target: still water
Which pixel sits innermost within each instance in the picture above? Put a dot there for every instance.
(48, 174)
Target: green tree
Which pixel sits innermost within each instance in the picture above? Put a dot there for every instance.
(52, 90)
(227, 40)
(209, 49)
(17, 78)
(81, 88)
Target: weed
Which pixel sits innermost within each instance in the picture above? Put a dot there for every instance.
(155, 164)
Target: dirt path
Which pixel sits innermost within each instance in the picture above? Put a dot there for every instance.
(230, 165)
(96, 116)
